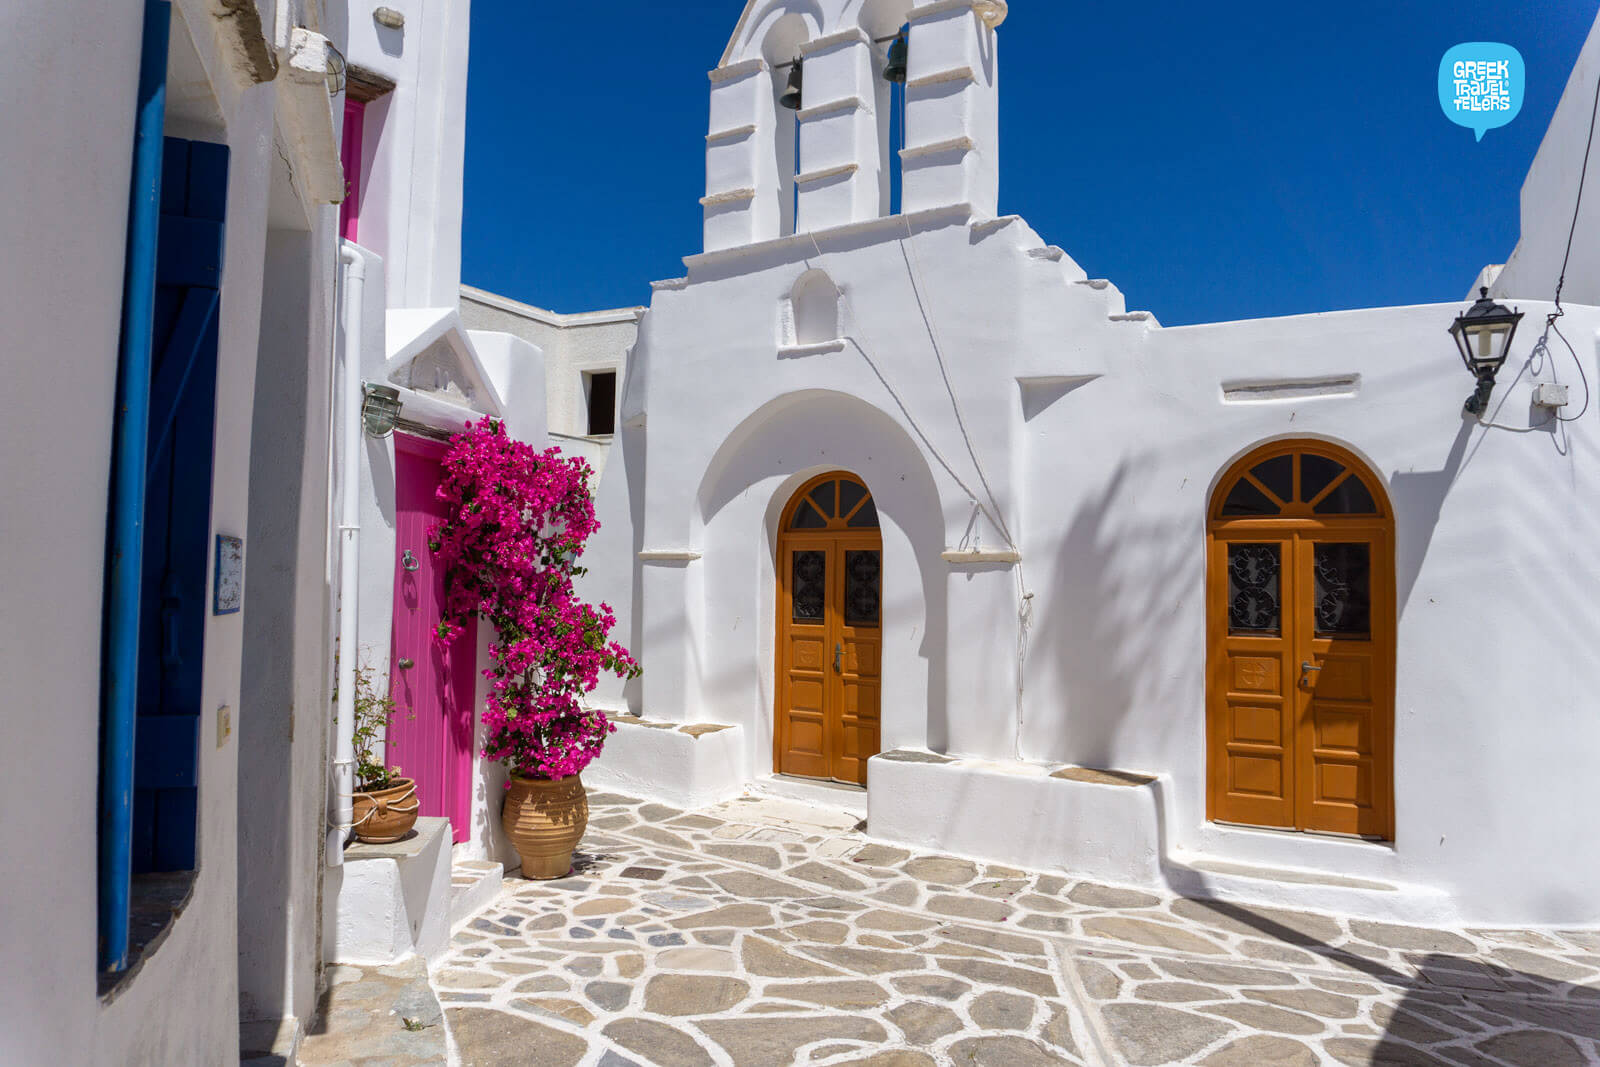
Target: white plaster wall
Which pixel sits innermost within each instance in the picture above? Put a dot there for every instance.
(286, 682)
(1103, 489)
(197, 964)
(572, 345)
(1490, 526)
(411, 206)
(71, 174)
(1550, 193)
(62, 286)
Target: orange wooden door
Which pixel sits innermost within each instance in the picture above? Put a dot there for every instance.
(830, 627)
(1301, 632)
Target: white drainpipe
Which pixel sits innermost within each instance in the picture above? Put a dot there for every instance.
(342, 781)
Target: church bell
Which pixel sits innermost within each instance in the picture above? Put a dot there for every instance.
(895, 69)
(791, 93)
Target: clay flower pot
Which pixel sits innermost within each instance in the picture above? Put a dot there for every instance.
(545, 820)
(384, 815)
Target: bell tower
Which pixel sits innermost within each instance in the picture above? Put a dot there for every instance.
(799, 118)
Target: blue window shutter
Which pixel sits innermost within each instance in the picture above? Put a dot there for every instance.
(179, 464)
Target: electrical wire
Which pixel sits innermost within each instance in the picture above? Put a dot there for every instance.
(1542, 346)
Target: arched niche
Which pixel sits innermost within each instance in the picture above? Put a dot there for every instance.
(812, 310)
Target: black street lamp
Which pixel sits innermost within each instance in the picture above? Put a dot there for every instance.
(1483, 335)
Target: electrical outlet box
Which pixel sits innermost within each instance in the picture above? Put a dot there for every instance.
(1550, 395)
(224, 724)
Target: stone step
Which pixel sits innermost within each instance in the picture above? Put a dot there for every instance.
(377, 1015)
(1207, 877)
(473, 886)
(270, 1042)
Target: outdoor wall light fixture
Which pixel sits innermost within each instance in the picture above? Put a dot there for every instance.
(1483, 335)
(791, 93)
(380, 407)
(389, 18)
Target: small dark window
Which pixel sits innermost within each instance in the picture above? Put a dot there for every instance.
(601, 388)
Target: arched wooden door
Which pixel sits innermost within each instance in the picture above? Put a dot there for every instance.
(830, 631)
(1301, 620)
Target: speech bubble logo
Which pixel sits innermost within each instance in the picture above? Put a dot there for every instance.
(1481, 85)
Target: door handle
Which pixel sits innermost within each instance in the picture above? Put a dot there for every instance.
(1305, 674)
(838, 654)
(408, 561)
(406, 663)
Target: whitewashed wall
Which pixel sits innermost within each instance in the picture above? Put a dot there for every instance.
(1550, 194)
(415, 145)
(73, 173)
(1095, 438)
(62, 286)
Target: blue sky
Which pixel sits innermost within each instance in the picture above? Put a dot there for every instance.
(1214, 161)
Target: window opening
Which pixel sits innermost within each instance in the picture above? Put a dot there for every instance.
(600, 388)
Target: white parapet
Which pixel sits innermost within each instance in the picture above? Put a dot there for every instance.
(386, 902)
(1095, 824)
(686, 765)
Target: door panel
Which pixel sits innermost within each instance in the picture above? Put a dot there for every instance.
(860, 643)
(1252, 721)
(1339, 751)
(431, 735)
(803, 729)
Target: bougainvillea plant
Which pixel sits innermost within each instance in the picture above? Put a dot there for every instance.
(515, 525)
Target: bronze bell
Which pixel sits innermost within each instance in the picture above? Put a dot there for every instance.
(791, 93)
(899, 52)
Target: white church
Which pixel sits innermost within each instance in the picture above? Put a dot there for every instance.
(898, 496)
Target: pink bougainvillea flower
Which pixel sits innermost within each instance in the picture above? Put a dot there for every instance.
(515, 527)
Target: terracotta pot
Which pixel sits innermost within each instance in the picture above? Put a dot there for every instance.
(384, 815)
(545, 820)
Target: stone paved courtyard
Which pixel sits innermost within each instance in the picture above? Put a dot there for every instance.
(766, 932)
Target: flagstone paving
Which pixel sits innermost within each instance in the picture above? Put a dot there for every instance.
(763, 932)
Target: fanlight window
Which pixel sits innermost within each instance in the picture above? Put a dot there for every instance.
(836, 504)
(1296, 485)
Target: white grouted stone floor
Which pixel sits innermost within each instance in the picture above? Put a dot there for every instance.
(766, 932)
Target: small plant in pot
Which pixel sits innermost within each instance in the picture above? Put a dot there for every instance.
(515, 524)
(384, 805)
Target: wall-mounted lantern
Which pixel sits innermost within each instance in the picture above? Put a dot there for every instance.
(1483, 335)
(380, 407)
(791, 93)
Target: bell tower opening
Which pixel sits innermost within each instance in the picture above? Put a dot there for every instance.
(781, 50)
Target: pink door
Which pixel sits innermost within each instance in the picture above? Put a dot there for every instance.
(430, 737)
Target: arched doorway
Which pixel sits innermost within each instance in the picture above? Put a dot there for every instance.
(830, 631)
(1300, 624)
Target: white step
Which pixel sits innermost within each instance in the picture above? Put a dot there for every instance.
(473, 886)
